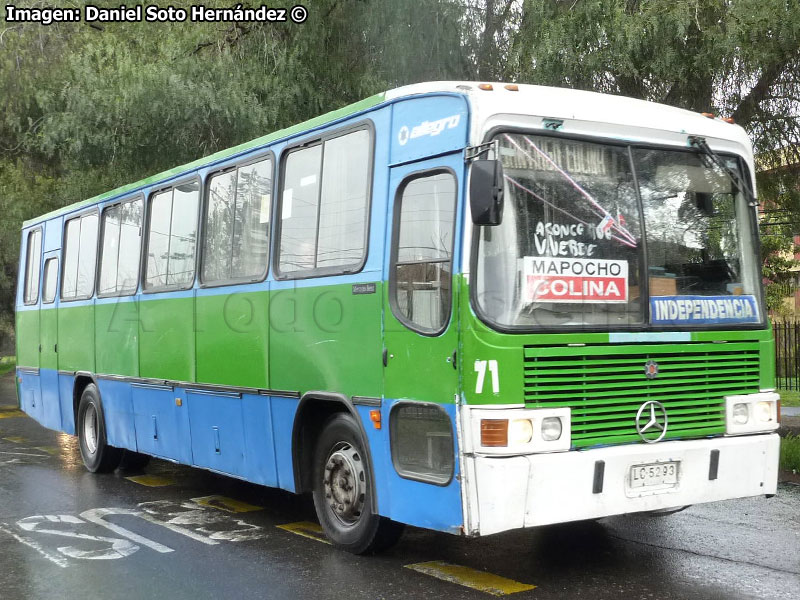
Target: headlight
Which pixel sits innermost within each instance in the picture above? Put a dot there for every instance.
(516, 431)
(520, 431)
(551, 429)
(751, 413)
(763, 412)
(740, 416)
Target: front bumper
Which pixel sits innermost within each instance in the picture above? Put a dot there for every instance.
(505, 493)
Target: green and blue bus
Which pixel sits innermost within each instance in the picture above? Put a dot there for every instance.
(460, 306)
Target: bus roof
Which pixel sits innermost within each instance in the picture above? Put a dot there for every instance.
(552, 102)
(581, 105)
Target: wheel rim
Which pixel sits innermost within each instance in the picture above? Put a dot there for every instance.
(344, 482)
(90, 428)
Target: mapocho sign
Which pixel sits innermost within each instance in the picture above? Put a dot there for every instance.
(595, 280)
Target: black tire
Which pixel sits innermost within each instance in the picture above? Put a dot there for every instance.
(133, 461)
(343, 493)
(98, 456)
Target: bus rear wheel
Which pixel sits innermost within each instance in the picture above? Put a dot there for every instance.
(97, 455)
(343, 494)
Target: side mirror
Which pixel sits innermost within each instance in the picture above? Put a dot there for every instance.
(486, 192)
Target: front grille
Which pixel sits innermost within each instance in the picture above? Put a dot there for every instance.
(605, 384)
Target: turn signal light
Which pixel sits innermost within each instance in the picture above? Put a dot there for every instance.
(729, 120)
(708, 115)
(494, 432)
(375, 417)
(487, 87)
(512, 87)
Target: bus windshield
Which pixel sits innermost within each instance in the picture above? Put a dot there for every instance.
(602, 236)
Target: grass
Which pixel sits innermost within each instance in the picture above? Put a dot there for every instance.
(7, 363)
(789, 397)
(790, 453)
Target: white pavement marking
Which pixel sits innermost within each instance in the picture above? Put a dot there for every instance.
(96, 515)
(61, 562)
(118, 548)
(209, 527)
(205, 521)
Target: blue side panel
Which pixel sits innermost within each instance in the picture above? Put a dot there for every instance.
(259, 442)
(118, 413)
(65, 385)
(29, 388)
(283, 412)
(412, 502)
(162, 427)
(427, 126)
(217, 431)
(51, 405)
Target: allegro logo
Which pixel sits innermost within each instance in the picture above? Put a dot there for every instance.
(431, 128)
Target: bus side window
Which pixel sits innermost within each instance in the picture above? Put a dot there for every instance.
(50, 276)
(324, 206)
(172, 237)
(236, 234)
(33, 262)
(120, 249)
(344, 204)
(422, 251)
(80, 258)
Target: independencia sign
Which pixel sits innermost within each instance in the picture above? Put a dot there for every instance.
(703, 310)
(595, 280)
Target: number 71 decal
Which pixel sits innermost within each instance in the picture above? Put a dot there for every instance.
(480, 369)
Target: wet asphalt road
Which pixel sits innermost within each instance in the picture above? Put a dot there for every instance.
(186, 539)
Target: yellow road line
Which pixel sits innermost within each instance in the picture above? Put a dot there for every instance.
(471, 578)
(226, 504)
(17, 439)
(48, 449)
(307, 529)
(151, 480)
(10, 414)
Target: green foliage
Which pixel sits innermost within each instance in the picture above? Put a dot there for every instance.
(789, 397)
(7, 363)
(790, 453)
(780, 198)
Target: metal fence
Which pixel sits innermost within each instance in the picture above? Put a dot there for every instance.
(787, 356)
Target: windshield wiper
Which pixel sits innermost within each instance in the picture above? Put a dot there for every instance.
(711, 158)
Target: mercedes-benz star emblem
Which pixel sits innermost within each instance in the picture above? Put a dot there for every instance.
(651, 419)
(651, 369)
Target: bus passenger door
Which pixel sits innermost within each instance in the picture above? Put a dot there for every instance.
(420, 342)
(27, 322)
(421, 333)
(50, 411)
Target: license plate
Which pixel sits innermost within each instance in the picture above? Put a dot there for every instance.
(654, 475)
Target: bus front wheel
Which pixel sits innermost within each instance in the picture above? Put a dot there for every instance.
(98, 456)
(343, 494)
